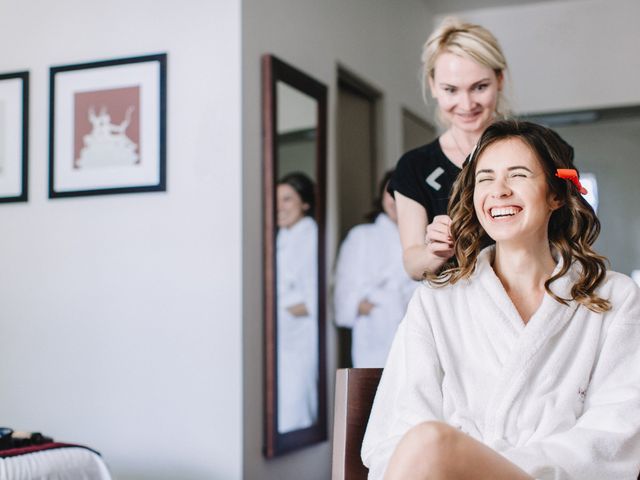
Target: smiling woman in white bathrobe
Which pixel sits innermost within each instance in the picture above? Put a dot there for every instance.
(297, 300)
(522, 361)
(372, 289)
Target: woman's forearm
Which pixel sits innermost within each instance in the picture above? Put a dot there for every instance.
(425, 247)
(420, 259)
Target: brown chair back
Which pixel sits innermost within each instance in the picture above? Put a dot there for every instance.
(355, 390)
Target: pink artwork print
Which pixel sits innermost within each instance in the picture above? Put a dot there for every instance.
(107, 128)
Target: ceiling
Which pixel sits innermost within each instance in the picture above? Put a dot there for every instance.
(449, 6)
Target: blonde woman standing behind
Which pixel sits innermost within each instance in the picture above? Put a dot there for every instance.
(463, 68)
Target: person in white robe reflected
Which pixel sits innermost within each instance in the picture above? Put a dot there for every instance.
(297, 303)
(520, 360)
(372, 289)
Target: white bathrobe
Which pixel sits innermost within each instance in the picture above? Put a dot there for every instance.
(559, 397)
(297, 278)
(370, 267)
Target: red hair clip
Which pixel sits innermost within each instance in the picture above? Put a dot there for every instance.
(571, 175)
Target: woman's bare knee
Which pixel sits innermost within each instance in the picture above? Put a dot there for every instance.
(437, 442)
(435, 435)
(429, 448)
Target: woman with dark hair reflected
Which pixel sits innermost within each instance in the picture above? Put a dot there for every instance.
(297, 300)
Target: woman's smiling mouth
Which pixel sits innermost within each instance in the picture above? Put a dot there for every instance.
(501, 212)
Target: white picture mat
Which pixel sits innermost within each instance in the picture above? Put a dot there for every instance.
(11, 92)
(145, 75)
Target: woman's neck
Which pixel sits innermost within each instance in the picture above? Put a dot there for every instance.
(523, 271)
(457, 144)
(466, 140)
(523, 262)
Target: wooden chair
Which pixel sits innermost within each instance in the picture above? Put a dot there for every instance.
(355, 390)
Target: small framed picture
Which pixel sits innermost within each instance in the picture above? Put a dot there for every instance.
(14, 144)
(107, 127)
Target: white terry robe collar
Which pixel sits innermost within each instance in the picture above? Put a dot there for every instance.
(550, 317)
(485, 277)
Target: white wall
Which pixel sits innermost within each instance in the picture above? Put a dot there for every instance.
(569, 54)
(610, 149)
(378, 41)
(120, 316)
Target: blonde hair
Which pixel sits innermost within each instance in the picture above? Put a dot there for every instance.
(572, 230)
(465, 40)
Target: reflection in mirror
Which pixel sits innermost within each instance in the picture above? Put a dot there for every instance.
(297, 301)
(297, 117)
(294, 164)
(607, 148)
(296, 260)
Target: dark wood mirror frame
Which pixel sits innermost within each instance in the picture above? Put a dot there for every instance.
(273, 71)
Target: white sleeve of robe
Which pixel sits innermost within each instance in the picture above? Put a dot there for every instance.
(298, 267)
(309, 283)
(409, 392)
(351, 286)
(605, 441)
(357, 280)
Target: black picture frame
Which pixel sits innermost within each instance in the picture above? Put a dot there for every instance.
(90, 155)
(14, 137)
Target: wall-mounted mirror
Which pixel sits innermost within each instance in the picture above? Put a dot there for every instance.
(607, 153)
(294, 152)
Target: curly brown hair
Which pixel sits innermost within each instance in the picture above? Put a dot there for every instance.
(572, 230)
